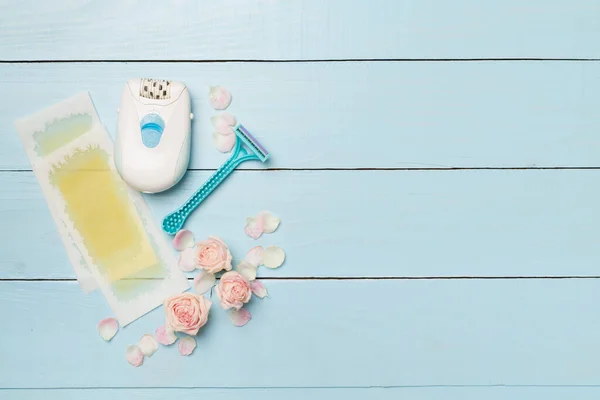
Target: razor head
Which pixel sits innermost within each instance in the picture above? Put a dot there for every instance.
(251, 142)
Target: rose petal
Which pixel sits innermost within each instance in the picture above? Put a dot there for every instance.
(148, 345)
(273, 257)
(247, 270)
(254, 227)
(183, 239)
(219, 97)
(107, 328)
(270, 222)
(165, 336)
(187, 261)
(203, 282)
(134, 356)
(258, 289)
(223, 143)
(224, 130)
(254, 255)
(186, 345)
(240, 317)
(223, 123)
(223, 118)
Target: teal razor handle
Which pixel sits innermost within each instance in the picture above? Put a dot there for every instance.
(247, 148)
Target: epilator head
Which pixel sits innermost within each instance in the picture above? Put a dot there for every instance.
(152, 145)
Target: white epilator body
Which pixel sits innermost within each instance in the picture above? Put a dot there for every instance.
(152, 145)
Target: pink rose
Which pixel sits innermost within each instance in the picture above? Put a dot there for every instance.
(187, 312)
(213, 255)
(233, 290)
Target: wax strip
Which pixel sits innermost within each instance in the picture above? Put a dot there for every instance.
(106, 227)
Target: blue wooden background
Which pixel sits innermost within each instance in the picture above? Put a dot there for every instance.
(434, 165)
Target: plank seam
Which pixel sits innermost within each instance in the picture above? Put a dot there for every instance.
(353, 278)
(279, 61)
(498, 385)
(377, 169)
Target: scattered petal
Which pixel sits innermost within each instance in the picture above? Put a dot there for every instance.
(224, 130)
(219, 97)
(148, 345)
(108, 328)
(224, 117)
(203, 282)
(254, 227)
(223, 123)
(187, 261)
(165, 336)
(270, 222)
(223, 143)
(134, 356)
(186, 345)
(273, 257)
(183, 239)
(240, 317)
(247, 270)
(254, 256)
(258, 289)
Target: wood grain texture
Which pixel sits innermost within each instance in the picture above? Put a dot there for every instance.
(360, 223)
(325, 338)
(319, 334)
(354, 115)
(419, 393)
(297, 29)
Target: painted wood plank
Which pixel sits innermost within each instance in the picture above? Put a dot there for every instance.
(297, 29)
(419, 393)
(320, 334)
(384, 115)
(360, 223)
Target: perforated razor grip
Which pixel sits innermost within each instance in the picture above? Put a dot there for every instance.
(174, 221)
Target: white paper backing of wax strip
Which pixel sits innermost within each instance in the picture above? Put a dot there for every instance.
(86, 271)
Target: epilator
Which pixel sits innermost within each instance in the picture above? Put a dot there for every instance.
(152, 146)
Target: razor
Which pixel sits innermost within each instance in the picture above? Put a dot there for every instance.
(247, 148)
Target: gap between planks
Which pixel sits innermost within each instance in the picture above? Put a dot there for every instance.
(349, 278)
(491, 385)
(330, 60)
(440, 168)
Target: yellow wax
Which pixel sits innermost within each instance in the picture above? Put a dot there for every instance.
(97, 203)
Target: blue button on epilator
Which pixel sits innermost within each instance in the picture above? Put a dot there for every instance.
(152, 126)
